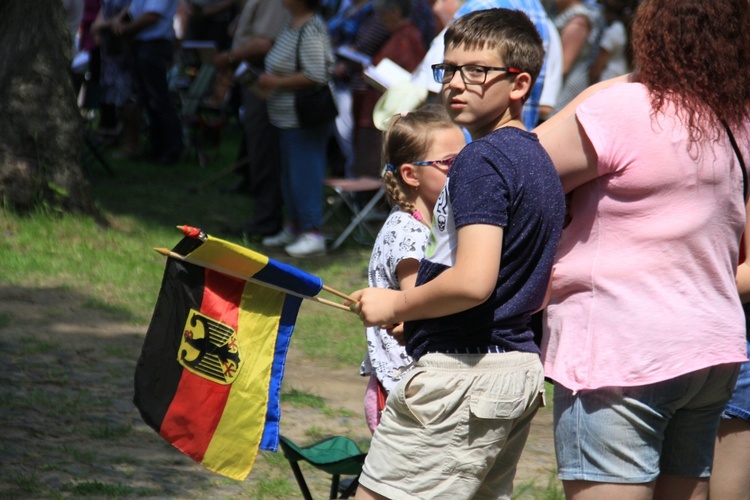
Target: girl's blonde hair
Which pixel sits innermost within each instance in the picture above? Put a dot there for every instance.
(407, 139)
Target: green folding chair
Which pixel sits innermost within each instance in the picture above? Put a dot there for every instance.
(337, 455)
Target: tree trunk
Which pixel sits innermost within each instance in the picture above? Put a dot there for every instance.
(40, 126)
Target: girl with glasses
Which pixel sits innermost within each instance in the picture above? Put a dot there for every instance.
(418, 150)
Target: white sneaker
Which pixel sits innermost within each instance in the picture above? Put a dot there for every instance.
(307, 245)
(280, 239)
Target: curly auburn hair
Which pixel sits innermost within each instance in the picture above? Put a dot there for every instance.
(407, 139)
(696, 54)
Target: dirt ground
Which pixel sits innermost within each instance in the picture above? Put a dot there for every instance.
(69, 427)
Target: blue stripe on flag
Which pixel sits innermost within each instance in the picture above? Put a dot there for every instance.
(270, 438)
(290, 278)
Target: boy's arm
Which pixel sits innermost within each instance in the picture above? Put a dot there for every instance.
(467, 284)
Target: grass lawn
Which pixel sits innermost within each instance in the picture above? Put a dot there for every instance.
(116, 267)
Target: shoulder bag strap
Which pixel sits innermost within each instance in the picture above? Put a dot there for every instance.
(739, 157)
(745, 306)
(299, 42)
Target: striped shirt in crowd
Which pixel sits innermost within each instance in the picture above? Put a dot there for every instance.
(315, 61)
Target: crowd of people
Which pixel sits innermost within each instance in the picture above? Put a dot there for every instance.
(574, 160)
(134, 46)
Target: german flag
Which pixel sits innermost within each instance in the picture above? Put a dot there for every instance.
(209, 376)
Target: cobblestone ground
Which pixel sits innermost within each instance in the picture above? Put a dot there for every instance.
(69, 427)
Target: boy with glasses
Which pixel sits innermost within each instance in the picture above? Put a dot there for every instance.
(456, 424)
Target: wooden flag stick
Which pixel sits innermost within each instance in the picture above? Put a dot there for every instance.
(325, 287)
(339, 294)
(228, 272)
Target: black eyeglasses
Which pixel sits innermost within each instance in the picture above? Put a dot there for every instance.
(447, 162)
(470, 73)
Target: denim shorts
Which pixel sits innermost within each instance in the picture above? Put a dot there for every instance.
(633, 434)
(739, 405)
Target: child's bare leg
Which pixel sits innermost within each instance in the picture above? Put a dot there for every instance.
(366, 494)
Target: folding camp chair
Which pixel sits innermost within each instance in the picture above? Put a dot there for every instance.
(348, 192)
(337, 455)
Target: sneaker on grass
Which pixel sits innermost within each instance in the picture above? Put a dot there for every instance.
(281, 239)
(307, 245)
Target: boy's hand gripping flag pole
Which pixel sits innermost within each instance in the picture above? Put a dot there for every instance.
(209, 376)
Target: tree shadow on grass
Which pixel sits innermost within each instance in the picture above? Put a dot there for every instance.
(66, 390)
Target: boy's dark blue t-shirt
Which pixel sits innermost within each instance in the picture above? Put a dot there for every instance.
(504, 179)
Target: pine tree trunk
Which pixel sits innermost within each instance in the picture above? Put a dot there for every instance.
(40, 124)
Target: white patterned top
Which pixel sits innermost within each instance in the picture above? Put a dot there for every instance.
(401, 237)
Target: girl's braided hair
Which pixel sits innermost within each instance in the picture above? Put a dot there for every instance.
(407, 139)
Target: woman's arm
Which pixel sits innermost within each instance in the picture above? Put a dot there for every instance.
(295, 81)
(743, 270)
(467, 284)
(567, 143)
(571, 152)
(595, 71)
(573, 36)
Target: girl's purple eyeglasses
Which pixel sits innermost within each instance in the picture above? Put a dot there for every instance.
(447, 162)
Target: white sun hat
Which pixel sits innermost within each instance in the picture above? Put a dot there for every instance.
(399, 98)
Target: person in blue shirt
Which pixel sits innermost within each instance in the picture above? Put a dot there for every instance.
(149, 24)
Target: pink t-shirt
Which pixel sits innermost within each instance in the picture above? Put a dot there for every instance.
(643, 286)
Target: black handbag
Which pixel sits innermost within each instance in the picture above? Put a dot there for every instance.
(315, 105)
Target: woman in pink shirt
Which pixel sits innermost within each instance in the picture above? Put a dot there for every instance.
(644, 330)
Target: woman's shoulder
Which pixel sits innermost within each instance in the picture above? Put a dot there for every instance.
(625, 104)
(618, 94)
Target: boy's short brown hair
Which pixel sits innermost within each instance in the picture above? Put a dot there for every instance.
(511, 32)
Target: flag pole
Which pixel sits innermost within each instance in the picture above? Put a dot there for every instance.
(339, 294)
(228, 272)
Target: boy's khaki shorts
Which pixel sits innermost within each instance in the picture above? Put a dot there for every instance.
(455, 427)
